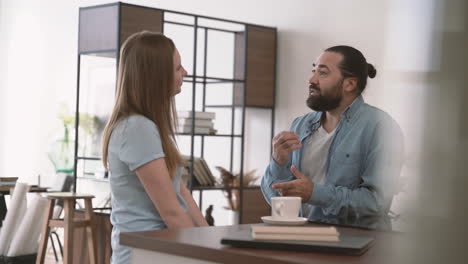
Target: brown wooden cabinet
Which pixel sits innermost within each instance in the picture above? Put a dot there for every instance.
(257, 67)
(105, 28)
(102, 237)
(254, 206)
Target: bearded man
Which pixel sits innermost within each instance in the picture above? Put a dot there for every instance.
(344, 158)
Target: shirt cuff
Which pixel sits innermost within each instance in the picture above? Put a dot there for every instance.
(280, 171)
(321, 195)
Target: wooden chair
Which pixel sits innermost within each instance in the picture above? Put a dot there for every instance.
(69, 223)
(63, 183)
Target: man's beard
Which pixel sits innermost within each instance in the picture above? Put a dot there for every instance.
(323, 103)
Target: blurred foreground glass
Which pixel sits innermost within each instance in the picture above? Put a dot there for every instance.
(438, 223)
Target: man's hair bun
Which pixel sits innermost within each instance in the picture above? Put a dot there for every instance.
(371, 71)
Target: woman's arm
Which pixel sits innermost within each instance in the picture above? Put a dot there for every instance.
(158, 185)
(193, 209)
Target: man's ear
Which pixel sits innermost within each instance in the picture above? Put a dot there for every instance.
(350, 84)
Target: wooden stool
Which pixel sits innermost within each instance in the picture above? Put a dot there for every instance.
(69, 224)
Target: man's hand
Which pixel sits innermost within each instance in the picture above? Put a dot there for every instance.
(301, 186)
(283, 144)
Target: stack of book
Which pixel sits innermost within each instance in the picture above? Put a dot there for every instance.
(8, 181)
(203, 122)
(201, 172)
(325, 234)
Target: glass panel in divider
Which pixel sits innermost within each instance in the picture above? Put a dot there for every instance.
(184, 98)
(238, 120)
(184, 142)
(183, 38)
(223, 120)
(92, 184)
(201, 59)
(237, 155)
(172, 17)
(97, 93)
(220, 41)
(221, 25)
(217, 152)
(219, 93)
(257, 145)
(220, 55)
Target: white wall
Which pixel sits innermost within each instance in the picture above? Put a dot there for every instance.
(38, 72)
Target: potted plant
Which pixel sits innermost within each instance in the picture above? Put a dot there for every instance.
(231, 182)
(62, 150)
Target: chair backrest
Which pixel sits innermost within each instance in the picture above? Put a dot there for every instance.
(63, 183)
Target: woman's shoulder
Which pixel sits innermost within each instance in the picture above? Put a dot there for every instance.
(137, 119)
(135, 124)
(141, 125)
(138, 122)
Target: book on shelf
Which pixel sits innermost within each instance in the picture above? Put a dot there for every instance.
(198, 115)
(204, 173)
(187, 122)
(197, 179)
(201, 171)
(197, 130)
(208, 173)
(326, 234)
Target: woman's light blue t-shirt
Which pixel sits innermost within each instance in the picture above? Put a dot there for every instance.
(134, 142)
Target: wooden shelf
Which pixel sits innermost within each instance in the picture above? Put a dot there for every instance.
(104, 28)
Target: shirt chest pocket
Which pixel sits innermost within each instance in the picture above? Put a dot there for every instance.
(352, 159)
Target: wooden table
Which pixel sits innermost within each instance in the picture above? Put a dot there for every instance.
(5, 190)
(202, 245)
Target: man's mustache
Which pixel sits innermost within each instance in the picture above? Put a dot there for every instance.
(313, 86)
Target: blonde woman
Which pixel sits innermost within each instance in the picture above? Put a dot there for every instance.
(139, 147)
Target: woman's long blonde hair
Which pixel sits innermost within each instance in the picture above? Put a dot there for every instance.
(145, 86)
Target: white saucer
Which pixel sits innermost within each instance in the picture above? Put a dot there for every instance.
(275, 221)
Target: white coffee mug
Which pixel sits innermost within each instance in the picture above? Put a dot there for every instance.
(285, 207)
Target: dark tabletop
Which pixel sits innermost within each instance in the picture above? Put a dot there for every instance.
(204, 243)
(5, 190)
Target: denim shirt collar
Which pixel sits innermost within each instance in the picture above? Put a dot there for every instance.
(351, 110)
(347, 114)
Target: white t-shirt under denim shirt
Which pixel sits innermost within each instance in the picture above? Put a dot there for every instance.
(134, 142)
(314, 160)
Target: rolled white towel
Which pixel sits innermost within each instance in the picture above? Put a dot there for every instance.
(15, 213)
(25, 240)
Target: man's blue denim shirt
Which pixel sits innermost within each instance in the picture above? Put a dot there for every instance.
(363, 166)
